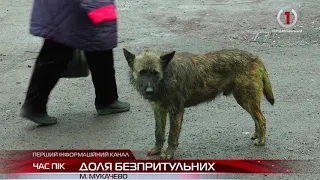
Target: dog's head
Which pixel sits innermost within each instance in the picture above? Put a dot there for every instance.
(148, 70)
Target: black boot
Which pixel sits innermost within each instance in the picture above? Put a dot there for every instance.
(115, 107)
(43, 119)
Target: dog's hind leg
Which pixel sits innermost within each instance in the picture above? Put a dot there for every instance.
(174, 134)
(259, 135)
(249, 98)
(160, 115)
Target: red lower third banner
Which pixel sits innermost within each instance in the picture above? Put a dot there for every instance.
(123, 161)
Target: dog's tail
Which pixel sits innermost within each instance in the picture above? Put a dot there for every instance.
(267, 88)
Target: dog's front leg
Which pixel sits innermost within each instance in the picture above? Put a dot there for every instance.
(176, 119)
(160, 115)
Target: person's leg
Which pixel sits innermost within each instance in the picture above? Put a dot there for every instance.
(50, 63)
(101, 64)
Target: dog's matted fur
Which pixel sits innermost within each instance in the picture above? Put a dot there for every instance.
(174, 81)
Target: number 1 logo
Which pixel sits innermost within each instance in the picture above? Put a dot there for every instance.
(287, 14)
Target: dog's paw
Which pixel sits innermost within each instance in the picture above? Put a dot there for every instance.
(154, 151)
(253, 135)
(259, 141)
(166, 156)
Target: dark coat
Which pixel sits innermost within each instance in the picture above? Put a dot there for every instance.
(89, 25)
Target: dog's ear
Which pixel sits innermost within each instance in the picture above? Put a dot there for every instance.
(166, 58)
(129, 57)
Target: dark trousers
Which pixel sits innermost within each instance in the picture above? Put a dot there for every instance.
(51, 63)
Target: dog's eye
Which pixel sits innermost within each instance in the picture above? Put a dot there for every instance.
(154, 72)
(148, 72)
(143, 72)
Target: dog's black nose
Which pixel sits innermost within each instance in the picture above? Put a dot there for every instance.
(149, 91)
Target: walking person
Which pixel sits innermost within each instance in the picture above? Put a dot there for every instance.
(89, 25)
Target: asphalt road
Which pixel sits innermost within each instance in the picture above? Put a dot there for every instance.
(215, 130)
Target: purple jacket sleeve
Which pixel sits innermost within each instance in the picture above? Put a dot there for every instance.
(100, 10)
